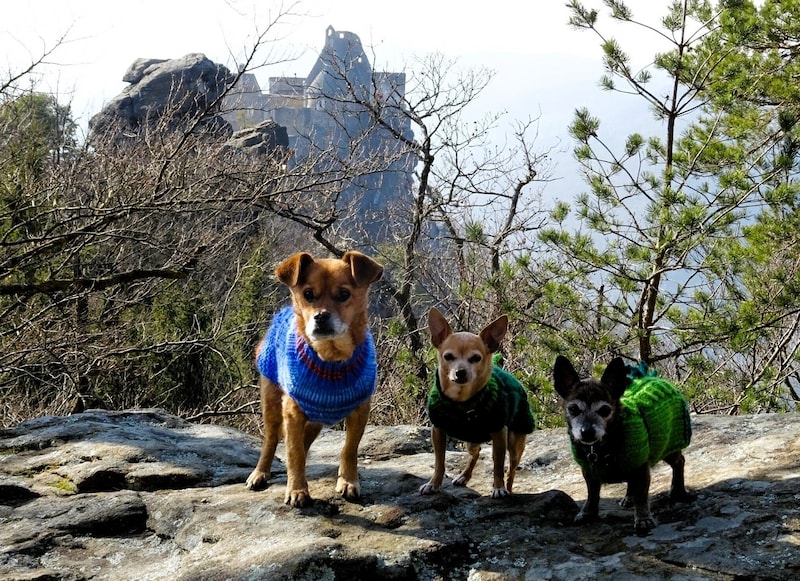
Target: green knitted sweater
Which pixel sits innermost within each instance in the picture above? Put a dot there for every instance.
(656, 423)
(503, 402)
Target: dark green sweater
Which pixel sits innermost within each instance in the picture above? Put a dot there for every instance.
(656, 423)
(503, 402)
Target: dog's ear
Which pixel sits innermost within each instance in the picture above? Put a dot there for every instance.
(290, 271)
(494, 332)
(438, 327)
(364, 269)
(564, 376)
(616, 377)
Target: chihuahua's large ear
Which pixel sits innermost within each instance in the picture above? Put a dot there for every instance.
(438, 327)
(364, 269)
(494, 332)
(290, 271)
(564, 376)
(616, 377)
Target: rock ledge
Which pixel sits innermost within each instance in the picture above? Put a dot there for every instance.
(145, 495)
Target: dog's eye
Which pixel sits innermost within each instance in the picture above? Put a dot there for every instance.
(604, 411)
(475, 358)
(308, 295)
(343, 295)
(574, 409)
(449, 356)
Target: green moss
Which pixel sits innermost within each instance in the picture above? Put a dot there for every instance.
(66, 485)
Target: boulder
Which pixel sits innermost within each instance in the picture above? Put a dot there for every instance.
(146, 495)
(172, 91)
(266, 138)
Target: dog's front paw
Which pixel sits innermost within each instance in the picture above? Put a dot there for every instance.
(349, 490)
(429, 488)
(585, 517)
(643, 525)
(257, 480)
(460, 481)
(500, 492)
(298, 498)
(682, 496)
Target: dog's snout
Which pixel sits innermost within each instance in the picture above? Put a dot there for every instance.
(461, 375)
(588, 433)
(324, 324)
(323, 321)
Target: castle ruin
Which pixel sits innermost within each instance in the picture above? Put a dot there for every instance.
(334, 109)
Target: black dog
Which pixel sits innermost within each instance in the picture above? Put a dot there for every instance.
(619, 427)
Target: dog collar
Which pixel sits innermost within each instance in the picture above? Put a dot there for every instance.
(470, 403)
(594, 458)
(468, 408)
(332, 370)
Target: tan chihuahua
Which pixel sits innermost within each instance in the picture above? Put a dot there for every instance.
(318, 367)
(475, 401)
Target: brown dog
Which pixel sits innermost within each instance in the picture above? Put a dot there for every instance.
(475, 401)
(317, 365)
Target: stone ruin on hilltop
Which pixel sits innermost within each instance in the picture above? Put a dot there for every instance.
(326, 114)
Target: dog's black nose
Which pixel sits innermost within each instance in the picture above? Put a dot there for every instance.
(323, 323)
(587, 434)
(461, 375)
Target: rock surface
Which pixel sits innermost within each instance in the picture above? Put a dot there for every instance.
(145, 495)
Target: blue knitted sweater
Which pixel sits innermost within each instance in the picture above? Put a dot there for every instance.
(326, 391)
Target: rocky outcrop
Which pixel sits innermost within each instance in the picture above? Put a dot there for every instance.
(173, 92)
(264, 139)
(145, 495)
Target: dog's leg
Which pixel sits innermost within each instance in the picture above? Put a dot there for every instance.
(310, 434)
(294, 421)
(439, 441)
(591, 508)
(627, 500)
(499, 449)
(639, 491)
(347, 484)
(516, 446)
(678, 492)
(273, 425)
(474, 451)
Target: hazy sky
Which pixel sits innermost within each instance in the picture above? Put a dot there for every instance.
(542, 67)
